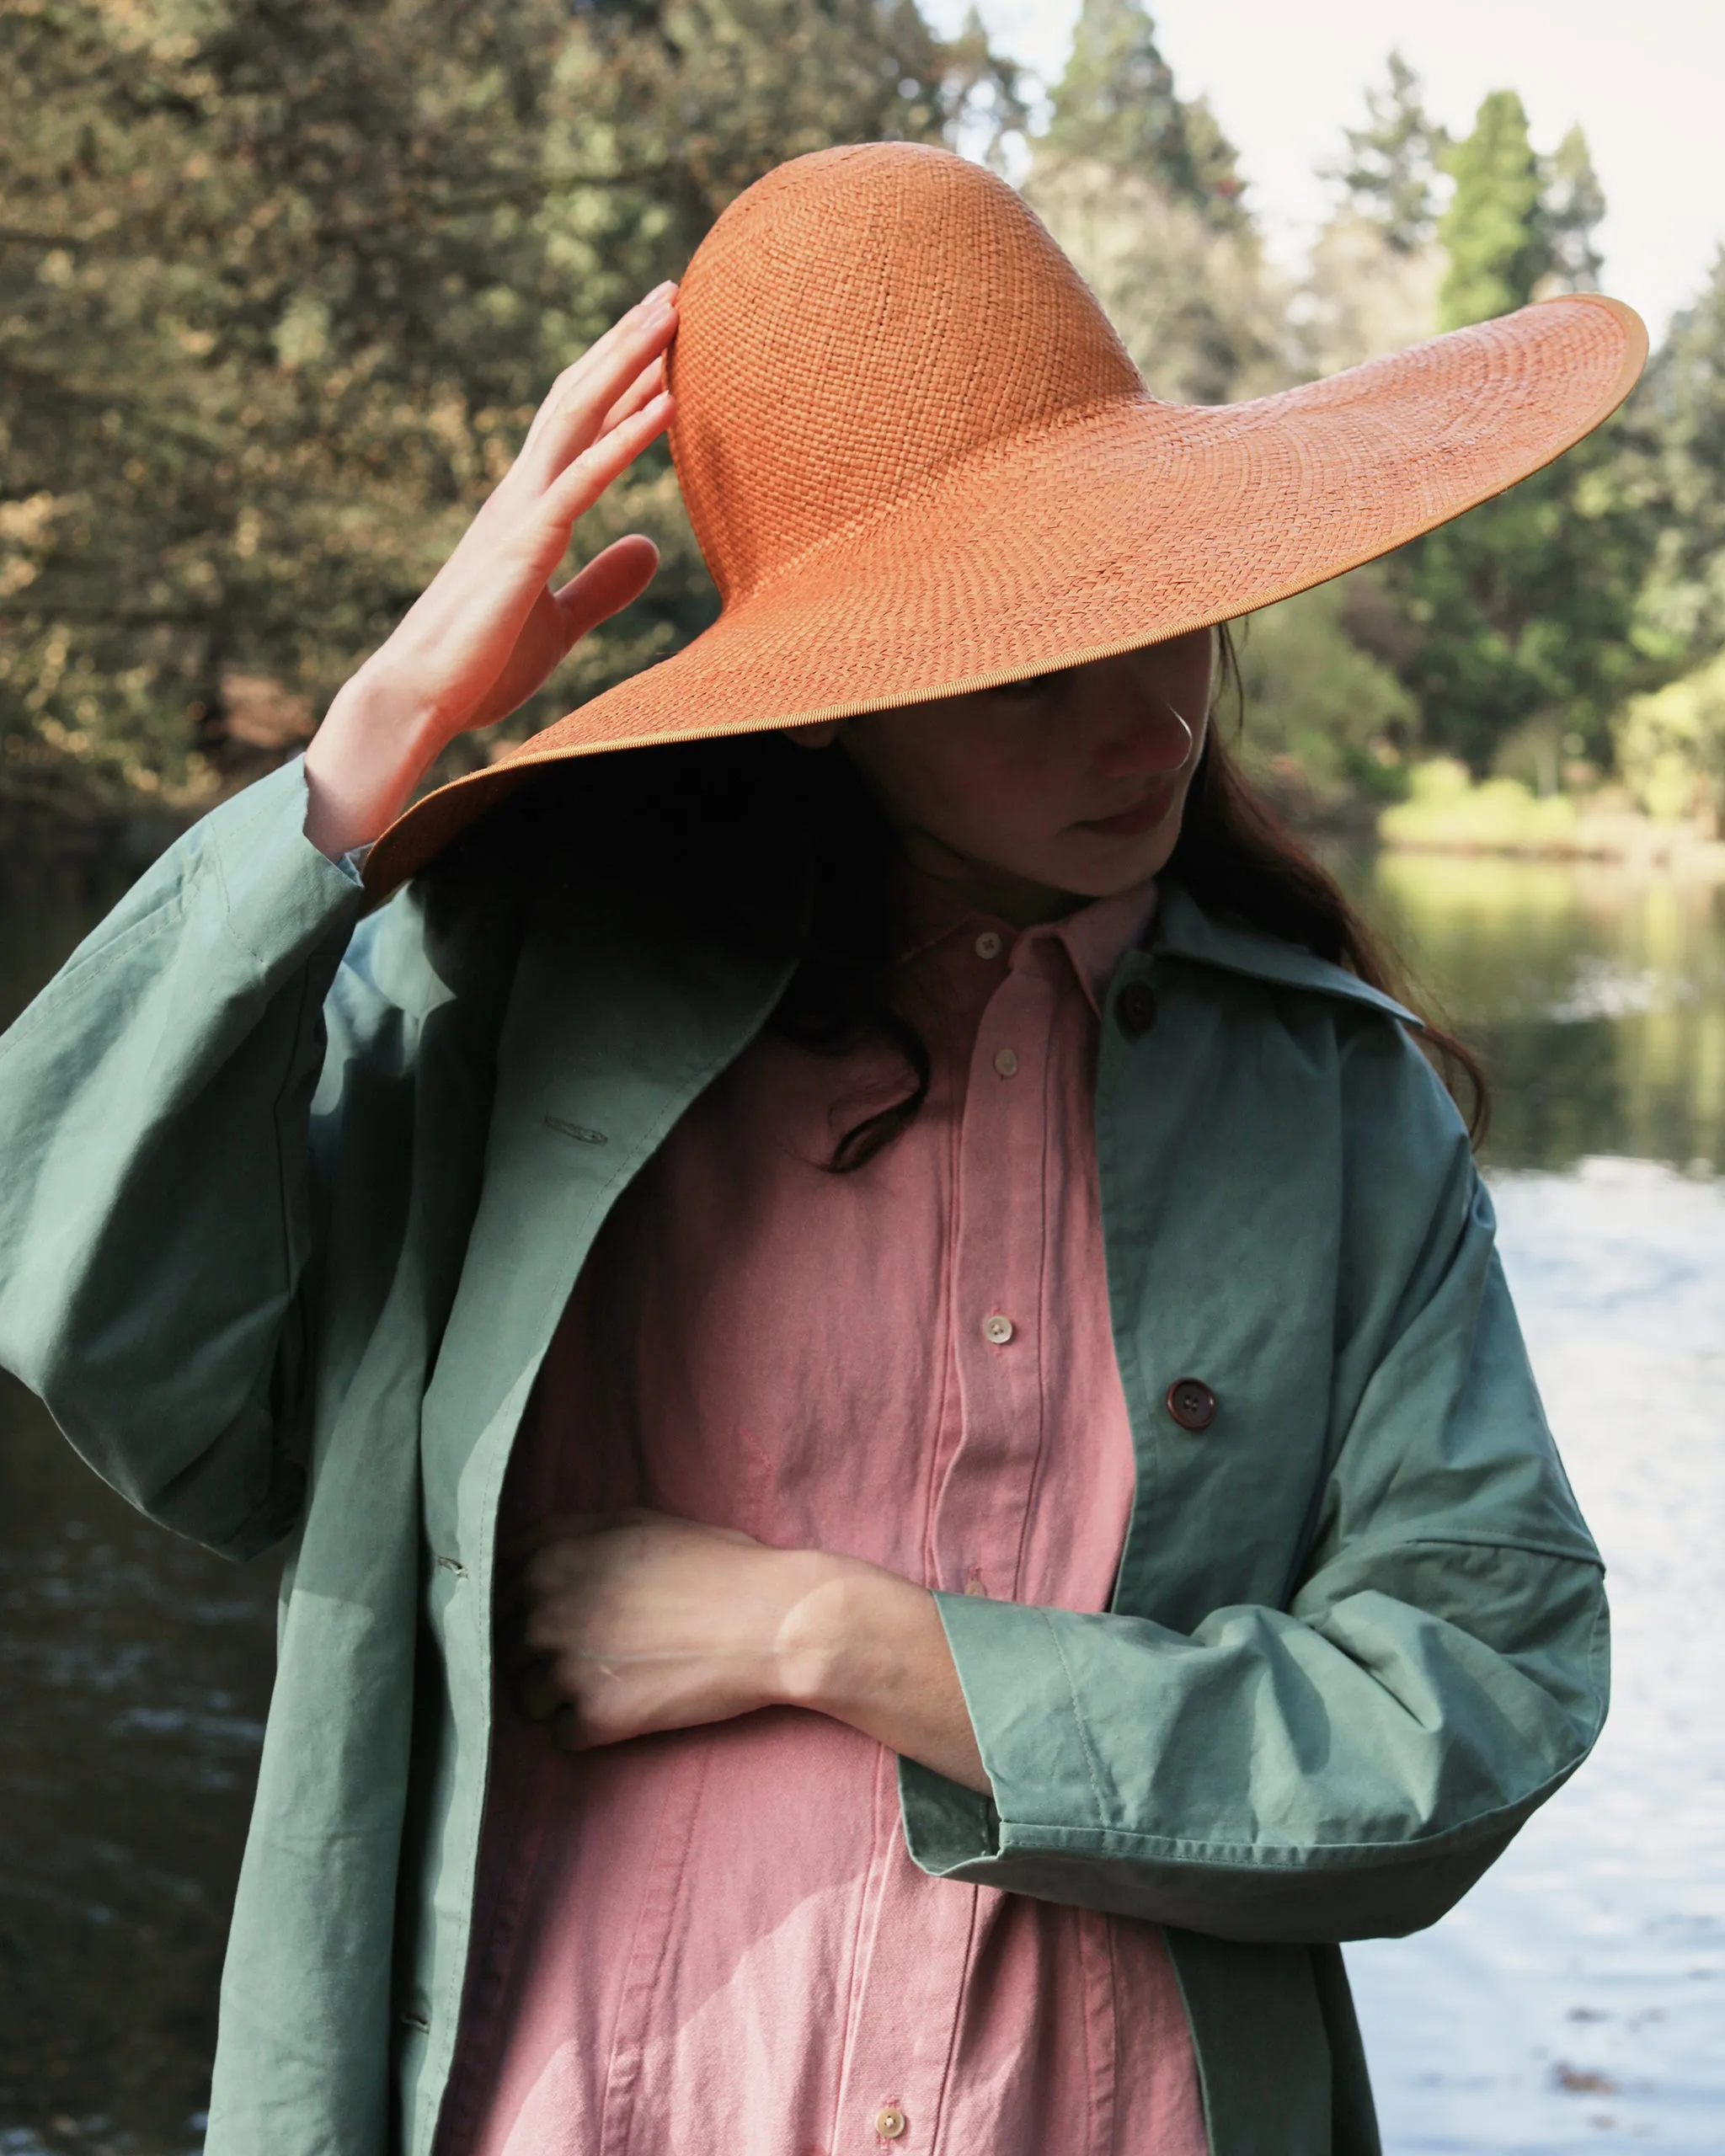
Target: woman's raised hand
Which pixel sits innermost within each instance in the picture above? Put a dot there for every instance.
(488, 629)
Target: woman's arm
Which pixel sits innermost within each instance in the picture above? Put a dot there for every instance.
(157, 1210)
(488, 629)
(1344, 1766)
(646, 1623)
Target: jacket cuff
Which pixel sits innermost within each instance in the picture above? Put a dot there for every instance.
(1024, 1713)
(280, 895)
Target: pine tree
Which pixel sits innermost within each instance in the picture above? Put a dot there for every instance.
(1681, 407)
(1116, 104)
(1526, 611)
(282, 284)
(1392, 172)
(1572, 206)
(1494, 230)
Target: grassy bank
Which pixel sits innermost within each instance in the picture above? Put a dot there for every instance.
(1447, 811)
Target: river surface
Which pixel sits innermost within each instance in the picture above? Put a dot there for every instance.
(1574, 2002)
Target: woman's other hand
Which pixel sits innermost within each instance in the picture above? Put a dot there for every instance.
(636, 1623)
(488, 629)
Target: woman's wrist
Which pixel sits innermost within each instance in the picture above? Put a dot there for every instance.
(867, 1648)
(371, 750)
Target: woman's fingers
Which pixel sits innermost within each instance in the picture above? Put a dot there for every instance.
(573, 415)
(609, 582)
(573, 491)
(600, 354)
(641, 391)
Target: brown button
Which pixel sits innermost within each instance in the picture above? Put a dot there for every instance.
(890, 2121)
(1136, 1009)
(1192, 1403)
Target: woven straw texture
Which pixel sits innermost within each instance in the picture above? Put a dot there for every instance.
(918, 462)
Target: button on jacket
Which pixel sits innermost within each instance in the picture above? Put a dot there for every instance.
(293, 1202)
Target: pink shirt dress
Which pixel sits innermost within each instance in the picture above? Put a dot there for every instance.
(714, 1940)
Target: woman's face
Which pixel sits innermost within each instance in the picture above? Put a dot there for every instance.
(1071, 785)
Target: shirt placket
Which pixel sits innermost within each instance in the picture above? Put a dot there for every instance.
(918, 1943)
(999, 1251)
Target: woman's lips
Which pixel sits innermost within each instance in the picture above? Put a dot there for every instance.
(1144, 816)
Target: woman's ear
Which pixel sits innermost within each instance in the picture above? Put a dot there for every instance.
(821, 736)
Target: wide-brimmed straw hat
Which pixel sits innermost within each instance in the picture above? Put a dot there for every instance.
(918, 462)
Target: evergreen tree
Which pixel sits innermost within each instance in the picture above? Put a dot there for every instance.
(1572, 206)
(1392, 172)
(1116, 104)
(280, 285)
(1526, 612)
(1494, 230)
(1682, 407)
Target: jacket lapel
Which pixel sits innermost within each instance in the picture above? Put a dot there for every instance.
(611, 1033)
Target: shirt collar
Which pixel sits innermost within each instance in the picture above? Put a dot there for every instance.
(1095, 937)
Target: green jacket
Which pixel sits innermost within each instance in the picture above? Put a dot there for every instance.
(293, 1199)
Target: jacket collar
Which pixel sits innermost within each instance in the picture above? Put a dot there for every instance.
(1184, 931)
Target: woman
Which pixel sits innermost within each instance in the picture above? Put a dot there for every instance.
(912, 1484)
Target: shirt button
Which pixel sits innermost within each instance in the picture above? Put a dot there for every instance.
(1192, 1403)
(1136, 1009)
(988, 944)
(996, 1330)
(890, 2121)
(1007, 1062)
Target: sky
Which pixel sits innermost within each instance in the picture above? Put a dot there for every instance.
(1647, 83)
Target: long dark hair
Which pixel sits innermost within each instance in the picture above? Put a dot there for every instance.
(781, 852)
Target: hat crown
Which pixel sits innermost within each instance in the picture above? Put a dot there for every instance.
(855, 324)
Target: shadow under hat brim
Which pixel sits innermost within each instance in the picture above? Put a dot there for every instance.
(1121, 525)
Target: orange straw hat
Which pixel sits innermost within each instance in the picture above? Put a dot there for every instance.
(918, 462)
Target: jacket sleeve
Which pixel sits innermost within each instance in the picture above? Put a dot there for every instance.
(1350, 1764)
(156, 1207)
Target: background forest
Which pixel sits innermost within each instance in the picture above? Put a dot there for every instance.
(281, 280)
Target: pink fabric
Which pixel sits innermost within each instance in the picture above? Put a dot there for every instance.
(715, 1940)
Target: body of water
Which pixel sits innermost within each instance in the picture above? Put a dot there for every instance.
(1575, 2001)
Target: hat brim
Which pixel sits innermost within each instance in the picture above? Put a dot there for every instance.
(1117, 527)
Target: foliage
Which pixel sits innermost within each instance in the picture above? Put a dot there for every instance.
(1140, 188)
(1116, 105)
(1320, 715)
(1193, 303)
(1362, 295)
(1391, 174)
(1492, 231)
(1671, 747)
(1526, 612)
(282, 280)
(1446, 811)
(1572, 207)
(1683, 471)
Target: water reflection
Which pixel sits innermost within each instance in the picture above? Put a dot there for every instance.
(1597, 997)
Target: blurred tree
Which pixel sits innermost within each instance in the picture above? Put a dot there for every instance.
(281, 281)
(1371, 283)
(1682, 404)
(1572, 207)
(1116, 104)
(1140, 187)
(1525, 613)
(1392, 173)
(1494, 230)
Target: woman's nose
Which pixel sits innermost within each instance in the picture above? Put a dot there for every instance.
(1140, 734)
